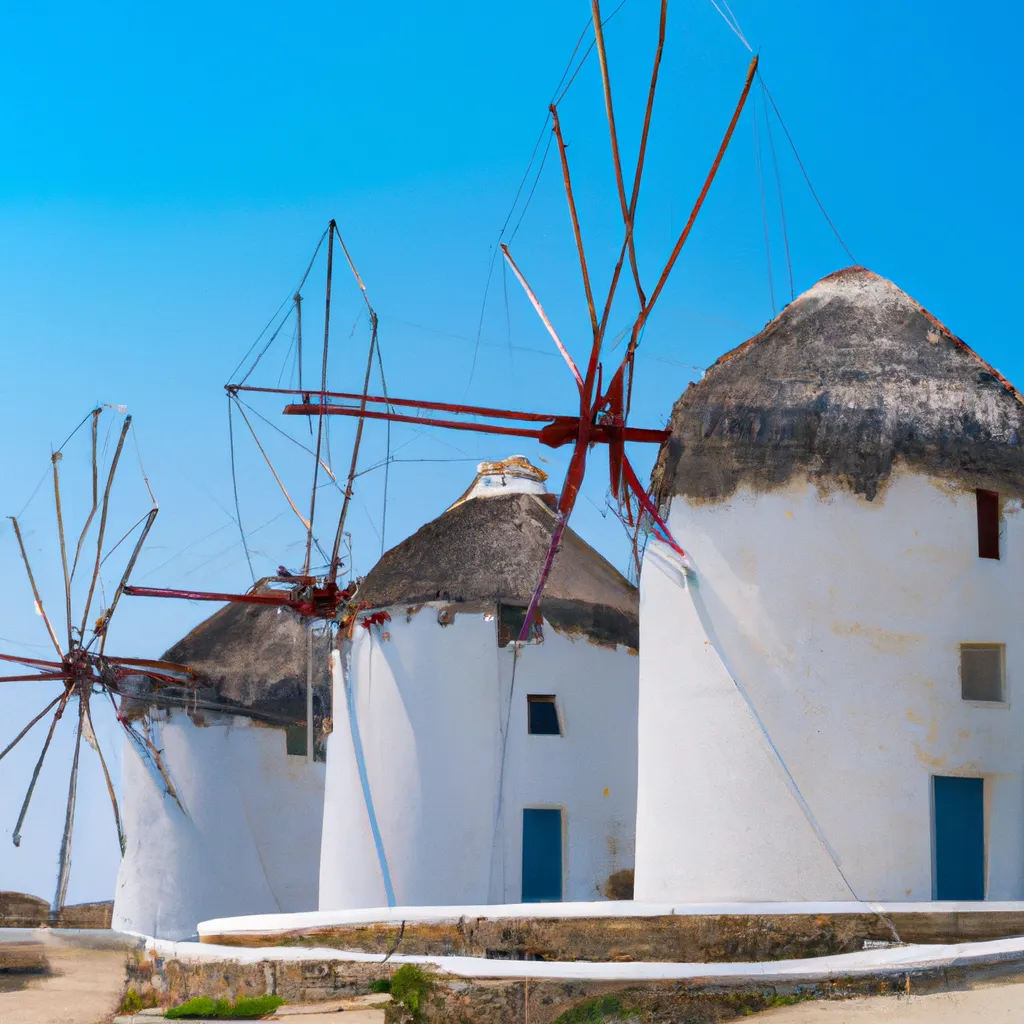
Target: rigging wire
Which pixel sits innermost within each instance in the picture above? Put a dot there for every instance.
(234, 486)
(590, 49)
(85, 419)
(289, 357)
(270, 341)
(284, 433)
(182, 551)
(533, 189)
(271, 321)
(394, 462)
(210, 558)
(730, 20)
(35, 491)
(778, 188)
(126, 536)
(556, 98)
(387, 460)
(764, 206)
(803, 170)
(142, 468)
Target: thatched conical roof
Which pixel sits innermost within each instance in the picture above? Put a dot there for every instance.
(247, 659)
(853, 378)
(491, 549)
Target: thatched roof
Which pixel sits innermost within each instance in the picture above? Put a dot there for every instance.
(251, 659)
(850, 380)
(487, 550)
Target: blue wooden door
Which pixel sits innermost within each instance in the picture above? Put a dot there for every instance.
(959, 838)
(542, 855)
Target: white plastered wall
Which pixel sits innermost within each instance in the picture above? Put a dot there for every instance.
(247, 842)
(431, 703)
(589, 771)
(840, 621)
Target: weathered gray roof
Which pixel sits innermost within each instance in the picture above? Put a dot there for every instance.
(251, 659)
(852, 378)
(492, 549)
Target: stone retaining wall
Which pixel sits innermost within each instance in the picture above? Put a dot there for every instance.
(682, 938)
(20, 910)
(454, 1000)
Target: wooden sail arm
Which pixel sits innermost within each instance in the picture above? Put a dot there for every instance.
(413, 403)
(312, 602)
(556, 432)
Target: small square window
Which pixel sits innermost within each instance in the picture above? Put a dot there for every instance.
(295, 740)
(543, 715)
(510, 625)
(983, 672)
(295, 743)
(988, 524)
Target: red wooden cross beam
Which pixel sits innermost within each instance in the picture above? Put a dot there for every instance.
(557, 430)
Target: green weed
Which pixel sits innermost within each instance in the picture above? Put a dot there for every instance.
(244, 1008)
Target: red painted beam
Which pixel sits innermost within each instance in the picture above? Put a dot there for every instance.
(413, 403)
(50, 676)
(599, 433)
(18, 660)
(201, 595)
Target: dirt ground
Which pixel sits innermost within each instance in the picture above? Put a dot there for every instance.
(80, 986)
(996, 1004)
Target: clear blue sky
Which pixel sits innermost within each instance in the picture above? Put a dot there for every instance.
(165, 173)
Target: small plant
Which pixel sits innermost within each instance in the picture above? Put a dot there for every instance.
(244, 1008)
(380, 985)
(131, 1003)
(410, 987)
(201, 1006)
(255, 1006)
(774, 1001)
(604, 1008)
(747, 1004)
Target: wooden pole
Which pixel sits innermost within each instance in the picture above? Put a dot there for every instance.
(309, 693)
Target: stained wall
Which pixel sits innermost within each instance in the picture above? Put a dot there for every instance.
(800, 687)
(430, 714)
(247, 840)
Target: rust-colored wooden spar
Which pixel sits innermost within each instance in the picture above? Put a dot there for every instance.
(45, 676)
(202, 595)
(646, 312)
(627, 215)
(411, 403)
(574, 216)
(559, 430)
(56, 666)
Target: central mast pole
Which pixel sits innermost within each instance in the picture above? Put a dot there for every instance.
(335, 553)
(309, 693)
(323, 394)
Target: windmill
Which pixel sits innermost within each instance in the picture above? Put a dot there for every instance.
(604, 398)
(82, 668)
(316, 598)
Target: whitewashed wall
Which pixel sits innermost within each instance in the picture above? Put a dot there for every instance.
(431, 702)
(590, 770)
(840, 620)
(248, 844)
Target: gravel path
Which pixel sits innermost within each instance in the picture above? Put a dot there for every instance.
(83, 986)
(996, 1004)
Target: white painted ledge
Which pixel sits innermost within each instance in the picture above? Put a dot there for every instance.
(264, 924)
